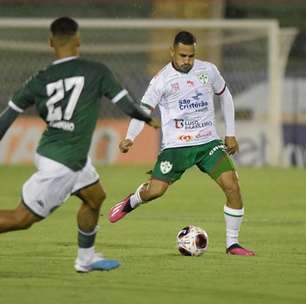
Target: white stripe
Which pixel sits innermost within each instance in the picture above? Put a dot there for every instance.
(90, 233)
(64, 59)
(234, 212)
(119, 96)
(14, 107)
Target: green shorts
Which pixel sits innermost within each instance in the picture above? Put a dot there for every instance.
(210, 158)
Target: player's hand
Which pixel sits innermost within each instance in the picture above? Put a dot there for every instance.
(154, 123)
(125, 145)
(231, 144)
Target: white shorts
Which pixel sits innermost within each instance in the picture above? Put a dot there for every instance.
(53, 183)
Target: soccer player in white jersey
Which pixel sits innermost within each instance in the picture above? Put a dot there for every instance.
(183, 90)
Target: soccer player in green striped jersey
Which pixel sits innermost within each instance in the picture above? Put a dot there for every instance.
(67, 96)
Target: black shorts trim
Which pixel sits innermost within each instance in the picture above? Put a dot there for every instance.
(29, 209)
(91, 184)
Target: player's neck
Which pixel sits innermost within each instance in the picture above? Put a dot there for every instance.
(64, 53)
(178, 69)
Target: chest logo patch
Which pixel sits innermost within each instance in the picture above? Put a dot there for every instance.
(165, 167)
(203, 78)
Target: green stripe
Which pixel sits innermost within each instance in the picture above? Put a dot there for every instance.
(233, 215)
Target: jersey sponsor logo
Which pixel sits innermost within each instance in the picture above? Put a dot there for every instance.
(216, 148)
(185, 137)
(179, 123)
(191, 124)
(190, 83)
(197, 96)
(203, 134)
(165, 167)
(187, 104)
(203, 78)
(175, 87)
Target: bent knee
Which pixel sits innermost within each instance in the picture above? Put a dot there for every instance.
(95, 203)
(231, 187)
(155, 192)
(229, 182)
(100, 198)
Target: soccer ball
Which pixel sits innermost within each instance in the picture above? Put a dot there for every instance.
(192, 241)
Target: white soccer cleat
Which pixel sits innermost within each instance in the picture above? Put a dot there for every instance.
(97, 263)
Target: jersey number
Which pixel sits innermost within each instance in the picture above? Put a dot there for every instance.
(56, 91)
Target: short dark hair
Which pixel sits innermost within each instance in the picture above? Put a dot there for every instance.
(64, 26)
(184, 37)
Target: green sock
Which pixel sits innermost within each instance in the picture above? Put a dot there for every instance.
(87, 239)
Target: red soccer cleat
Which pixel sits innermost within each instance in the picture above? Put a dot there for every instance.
(120, 210)
(236, 249)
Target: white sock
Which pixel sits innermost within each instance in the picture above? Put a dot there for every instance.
(135, 199)
(86, 254)
(233, 219)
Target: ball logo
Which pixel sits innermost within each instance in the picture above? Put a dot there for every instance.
(165, 167)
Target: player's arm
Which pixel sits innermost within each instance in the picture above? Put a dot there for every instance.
(21, 100)
(228, 109)
(134, 129)
(149, 102)
(7, 117)
(131, 108)
(120, 97)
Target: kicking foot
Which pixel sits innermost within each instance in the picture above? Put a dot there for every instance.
(236, 249)
(97, 263)
(120, 210)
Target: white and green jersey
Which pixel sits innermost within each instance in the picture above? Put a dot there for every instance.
(186, 103)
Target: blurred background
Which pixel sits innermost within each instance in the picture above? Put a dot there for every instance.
(259, 47)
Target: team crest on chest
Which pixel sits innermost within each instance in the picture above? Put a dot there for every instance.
(165, 167)
(203, 78)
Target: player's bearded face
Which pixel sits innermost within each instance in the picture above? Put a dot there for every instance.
(183, 57)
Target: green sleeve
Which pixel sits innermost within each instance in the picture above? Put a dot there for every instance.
(110, 86)
(132, 109)
(25, 96)
(7, 117)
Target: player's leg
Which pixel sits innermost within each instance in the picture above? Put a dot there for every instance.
(233, 212)
(169, 167)
(17, 219)
(220, 167)
(148, 191)
(92, 198)
(92, 195)
(228, 181)
(42, 193)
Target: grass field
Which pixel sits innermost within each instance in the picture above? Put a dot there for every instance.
(36, 265)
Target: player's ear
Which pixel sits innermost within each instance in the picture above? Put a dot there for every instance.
(172, 51)
(77, 40)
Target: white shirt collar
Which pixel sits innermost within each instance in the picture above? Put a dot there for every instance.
(64, 59)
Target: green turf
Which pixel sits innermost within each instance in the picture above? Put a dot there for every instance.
(36, 265)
